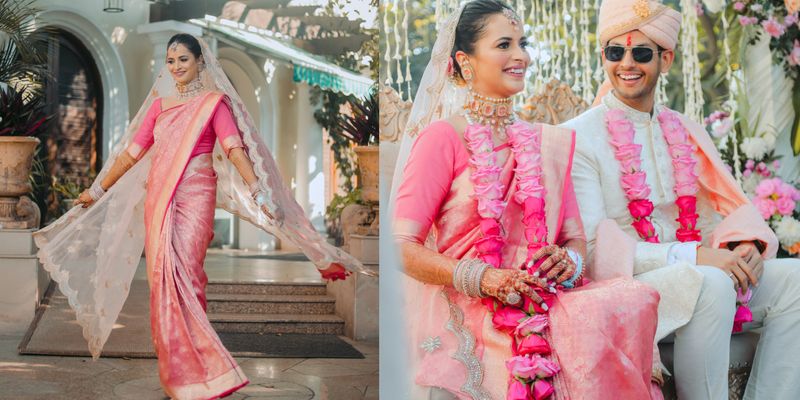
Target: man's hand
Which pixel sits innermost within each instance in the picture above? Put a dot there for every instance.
(750, 254)
(730, 262)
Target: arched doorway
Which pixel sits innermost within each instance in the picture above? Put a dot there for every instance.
(74, 146)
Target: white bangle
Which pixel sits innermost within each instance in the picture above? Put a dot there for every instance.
(467, 276)
(96, 191)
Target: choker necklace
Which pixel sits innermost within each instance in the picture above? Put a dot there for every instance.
(190, 89)
(483, 110)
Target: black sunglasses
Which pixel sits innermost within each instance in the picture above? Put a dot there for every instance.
(641, 55)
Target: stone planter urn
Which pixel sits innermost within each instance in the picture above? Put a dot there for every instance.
(368, 176)
(17, 211)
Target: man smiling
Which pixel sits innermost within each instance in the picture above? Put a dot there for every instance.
(698, 237)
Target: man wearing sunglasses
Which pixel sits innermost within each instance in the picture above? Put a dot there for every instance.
(658, 203)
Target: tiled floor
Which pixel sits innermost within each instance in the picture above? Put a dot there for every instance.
(51, 378)
(55, 378)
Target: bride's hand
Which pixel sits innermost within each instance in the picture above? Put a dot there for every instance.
(558, 265)
(499, 283)
(84, 199)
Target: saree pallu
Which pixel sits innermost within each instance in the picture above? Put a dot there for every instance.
(601, 333)
(179, 219)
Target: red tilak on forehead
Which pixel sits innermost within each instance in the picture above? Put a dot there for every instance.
(629, 40)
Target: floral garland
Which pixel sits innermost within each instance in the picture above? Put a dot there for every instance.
(781, 22)
(634, 184)
(530, 371)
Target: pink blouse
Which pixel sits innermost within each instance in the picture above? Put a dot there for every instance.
(222, 127)
(438, 157)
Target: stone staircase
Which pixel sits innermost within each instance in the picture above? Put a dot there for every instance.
(260, 307)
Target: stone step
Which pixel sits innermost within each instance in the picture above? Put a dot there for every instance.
(268, 288)
(277, 323)
(270, 304)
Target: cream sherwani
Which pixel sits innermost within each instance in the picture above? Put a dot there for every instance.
(697, 302)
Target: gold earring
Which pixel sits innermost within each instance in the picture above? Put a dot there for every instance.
(466, 71)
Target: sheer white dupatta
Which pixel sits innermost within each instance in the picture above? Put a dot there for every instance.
(92, 253)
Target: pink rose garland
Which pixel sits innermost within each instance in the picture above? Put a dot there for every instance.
(529, 370)
(621, 132)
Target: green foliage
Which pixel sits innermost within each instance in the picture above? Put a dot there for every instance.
(21, 113)
(330, 103)
(68, 190)
(334, 211)
(20, 57)
(362, 127)
(327, 116)
(339, 202)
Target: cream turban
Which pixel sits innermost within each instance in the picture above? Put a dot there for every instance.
(657, 21)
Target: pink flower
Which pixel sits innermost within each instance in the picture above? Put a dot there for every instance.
(521, 367)
(765, 206)
(747, 173)
(533, 344)
(517, 391)
(534, 324)
(750, 164)
(490, 227)
(776, 164)
(644, 228)
(493, 190)
(773, 28)
(790, 20)
(491, 209)
(682, 150)
(743, 297)
(738, 6)
(743, 315)
(489, 244)
(635, 186)
(745, 20)
(544, 367)
(785, 206)
(507, 319)
(542, 389)
(686, 204)
(627, 151)
(688, 221)
(785, 190)
(640, 208)
(794, 55)
(767, 187)
(621, 131)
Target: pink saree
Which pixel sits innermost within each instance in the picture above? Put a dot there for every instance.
(179, 216)
(601, 333)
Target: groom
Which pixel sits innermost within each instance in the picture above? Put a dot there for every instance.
(697, 238)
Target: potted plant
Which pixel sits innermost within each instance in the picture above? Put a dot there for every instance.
(362, 129)
(22, 116)
(22, 119)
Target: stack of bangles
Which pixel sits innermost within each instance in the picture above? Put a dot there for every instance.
(96, 191)
(467, 276)
(578, 260)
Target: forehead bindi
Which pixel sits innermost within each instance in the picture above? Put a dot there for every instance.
(632, 39)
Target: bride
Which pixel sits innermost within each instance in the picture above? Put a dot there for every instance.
(492, 242)
(158, 192)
